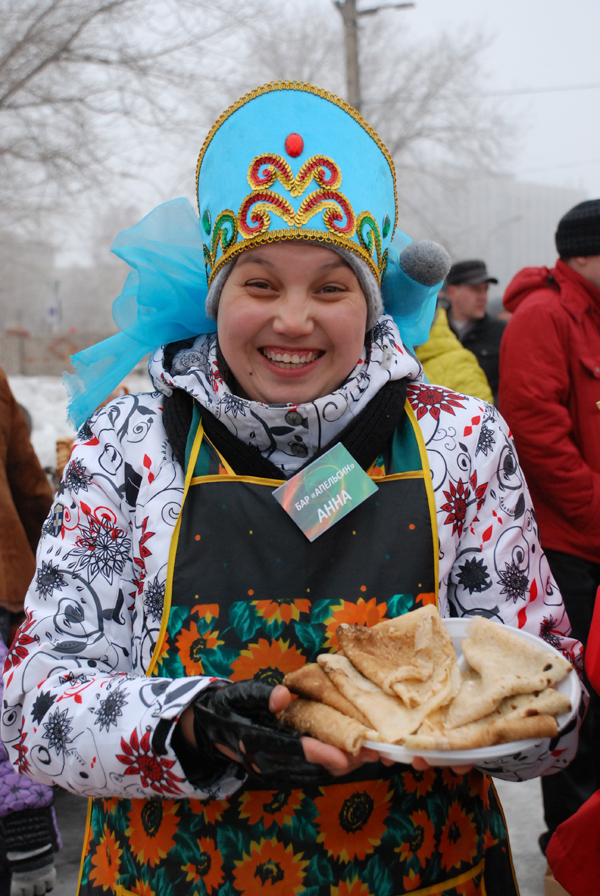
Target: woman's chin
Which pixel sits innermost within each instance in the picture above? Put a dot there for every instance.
(298, 394)
(285, 390)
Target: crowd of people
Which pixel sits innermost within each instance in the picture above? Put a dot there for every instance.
(172, 593)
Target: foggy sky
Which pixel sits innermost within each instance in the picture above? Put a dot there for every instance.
(535, 44)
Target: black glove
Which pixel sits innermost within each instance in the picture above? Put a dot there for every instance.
(230, 713)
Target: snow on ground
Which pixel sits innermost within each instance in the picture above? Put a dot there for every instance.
(46, 400)
(522, 804)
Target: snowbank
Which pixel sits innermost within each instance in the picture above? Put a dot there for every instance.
(46, 400)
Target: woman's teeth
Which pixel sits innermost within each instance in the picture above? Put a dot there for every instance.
(290, 361)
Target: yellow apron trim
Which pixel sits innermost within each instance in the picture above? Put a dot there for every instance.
(260, 480)
(411, 474)
(88, 822)
(173, 551)
(226, 464)
(430, 498)
(450, 884)
(218, 477)
(257, 480)
(512, 867)
(427, 891)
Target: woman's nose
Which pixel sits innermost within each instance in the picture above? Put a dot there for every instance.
(293, 315)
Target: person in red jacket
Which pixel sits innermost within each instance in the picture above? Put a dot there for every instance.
(550, 396)
(574, 850)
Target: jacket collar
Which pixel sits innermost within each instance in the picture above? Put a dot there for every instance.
(578, 295)
(285, 434)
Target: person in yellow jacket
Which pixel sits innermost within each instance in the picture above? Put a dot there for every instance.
(447, 363)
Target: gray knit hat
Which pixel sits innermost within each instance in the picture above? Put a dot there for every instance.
(365, 277)
(423, 261)
(578, 231)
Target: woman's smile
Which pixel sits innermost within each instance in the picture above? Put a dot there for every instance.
(290, 358)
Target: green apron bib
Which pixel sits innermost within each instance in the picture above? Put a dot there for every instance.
(248, 596)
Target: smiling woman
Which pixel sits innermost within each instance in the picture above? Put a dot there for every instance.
(291, 322)
(280, 320)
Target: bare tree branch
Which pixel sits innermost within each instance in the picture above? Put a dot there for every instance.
(85, 82)
(99, 92)
(421, 98)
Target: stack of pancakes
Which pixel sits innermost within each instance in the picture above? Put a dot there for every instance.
(400, 682)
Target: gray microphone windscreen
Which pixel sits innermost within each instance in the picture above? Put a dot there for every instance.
(425, 261)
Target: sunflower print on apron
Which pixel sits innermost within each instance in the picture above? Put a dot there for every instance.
(248, 596)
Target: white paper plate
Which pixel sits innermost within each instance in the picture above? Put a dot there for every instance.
(570, 686)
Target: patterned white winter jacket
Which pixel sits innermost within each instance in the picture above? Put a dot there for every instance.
(79, 711)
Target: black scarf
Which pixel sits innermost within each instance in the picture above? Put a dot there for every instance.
(364, 437)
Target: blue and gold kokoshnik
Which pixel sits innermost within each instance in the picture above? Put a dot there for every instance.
(288, 161)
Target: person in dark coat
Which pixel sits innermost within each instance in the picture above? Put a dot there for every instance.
(25, 500)
(467, 287)
(28, 831)
(549, 394)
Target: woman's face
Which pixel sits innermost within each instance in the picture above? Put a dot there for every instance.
(291, 322)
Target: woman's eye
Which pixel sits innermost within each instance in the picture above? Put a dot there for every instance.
(259, 284)
(332, 288)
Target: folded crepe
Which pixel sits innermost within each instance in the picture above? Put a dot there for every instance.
(327, 725)
(411, 657)
(473, 737)
(503, 664)
(390, 717)
(310, 681)
(516, 718)
(399, 682)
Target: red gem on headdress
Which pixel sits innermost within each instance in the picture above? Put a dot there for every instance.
(294, 144)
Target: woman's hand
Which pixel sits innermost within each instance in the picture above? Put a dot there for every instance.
(335, 761)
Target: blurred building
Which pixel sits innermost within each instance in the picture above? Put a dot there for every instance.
(49, 313)
(508, 223)
(26, 269)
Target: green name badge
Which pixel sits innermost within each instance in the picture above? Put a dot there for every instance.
(328, 489)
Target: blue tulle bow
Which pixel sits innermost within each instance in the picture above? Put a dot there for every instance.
(162, 301)
(164, 296)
